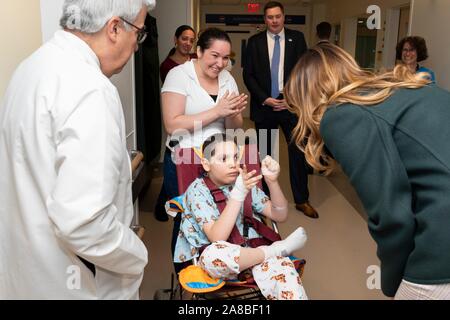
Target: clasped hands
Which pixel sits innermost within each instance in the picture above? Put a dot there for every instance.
(231, 104)
(276, 104)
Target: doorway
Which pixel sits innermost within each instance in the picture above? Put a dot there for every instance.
(336, 35)
(366, 43)
(403, 26)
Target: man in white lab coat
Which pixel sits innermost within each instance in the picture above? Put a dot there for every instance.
(65, 177)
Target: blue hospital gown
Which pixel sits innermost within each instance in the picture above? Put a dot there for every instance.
(200, 208)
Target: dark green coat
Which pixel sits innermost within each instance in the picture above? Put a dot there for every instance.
(397, 156)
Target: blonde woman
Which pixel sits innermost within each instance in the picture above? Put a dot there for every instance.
(390, 133)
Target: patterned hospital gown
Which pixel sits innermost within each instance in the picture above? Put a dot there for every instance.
(276, 276)
(200, 208)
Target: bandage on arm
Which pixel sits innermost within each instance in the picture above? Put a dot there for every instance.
(239, 192)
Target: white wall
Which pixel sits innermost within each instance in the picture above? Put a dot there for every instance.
(349, 30)
(125, 84)
(431, 20)
(170, 14)
(391, 38)
(319, 14)
(20, 36)
(340, 11)
(51, 11)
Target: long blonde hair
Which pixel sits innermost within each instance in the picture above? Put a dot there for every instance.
(327, 75)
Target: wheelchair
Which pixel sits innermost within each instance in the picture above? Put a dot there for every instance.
(188, 167)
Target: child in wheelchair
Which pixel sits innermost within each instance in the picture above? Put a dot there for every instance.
(228, 241)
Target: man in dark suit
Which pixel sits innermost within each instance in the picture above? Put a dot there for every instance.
(270, 57)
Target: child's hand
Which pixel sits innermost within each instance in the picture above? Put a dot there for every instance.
(244, 183)
(248, 178)
(270, 169)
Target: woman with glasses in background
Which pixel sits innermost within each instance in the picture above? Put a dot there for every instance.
(411, 51)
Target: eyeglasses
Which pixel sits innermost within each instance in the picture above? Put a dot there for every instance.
(408, 50)
(142, 33)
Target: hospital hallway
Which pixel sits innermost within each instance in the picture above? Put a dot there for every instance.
(338, 252)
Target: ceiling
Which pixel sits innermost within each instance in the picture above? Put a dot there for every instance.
(239, 2)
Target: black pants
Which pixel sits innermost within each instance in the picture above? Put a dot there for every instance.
(298, 168)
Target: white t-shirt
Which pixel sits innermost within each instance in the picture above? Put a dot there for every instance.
(183, 80)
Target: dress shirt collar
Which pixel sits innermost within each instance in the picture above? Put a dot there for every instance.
(272, 35)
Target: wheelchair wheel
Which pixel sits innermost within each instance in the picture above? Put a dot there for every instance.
(163, 294)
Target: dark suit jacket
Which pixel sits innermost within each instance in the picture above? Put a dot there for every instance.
(257, 68)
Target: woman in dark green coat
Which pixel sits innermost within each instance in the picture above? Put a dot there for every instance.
(391, 135)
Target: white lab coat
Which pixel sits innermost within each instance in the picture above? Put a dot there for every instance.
(65, 181)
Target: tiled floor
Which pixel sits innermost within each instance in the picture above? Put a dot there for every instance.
(338, 252)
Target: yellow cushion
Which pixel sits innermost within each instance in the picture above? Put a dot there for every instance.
(194, 279)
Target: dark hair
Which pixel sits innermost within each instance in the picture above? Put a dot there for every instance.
(323, 30)
(273, 4)
(208, 36)
(209, 145)
(417, 43)
(178, 33)
(182, 29)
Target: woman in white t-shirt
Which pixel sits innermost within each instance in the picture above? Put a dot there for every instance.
(199, 99)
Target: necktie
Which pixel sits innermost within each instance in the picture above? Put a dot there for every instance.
(275, 90)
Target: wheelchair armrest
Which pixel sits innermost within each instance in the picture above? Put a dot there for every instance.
(174, 206)
(268, 222)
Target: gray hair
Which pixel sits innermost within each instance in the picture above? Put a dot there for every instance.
(90, 16)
